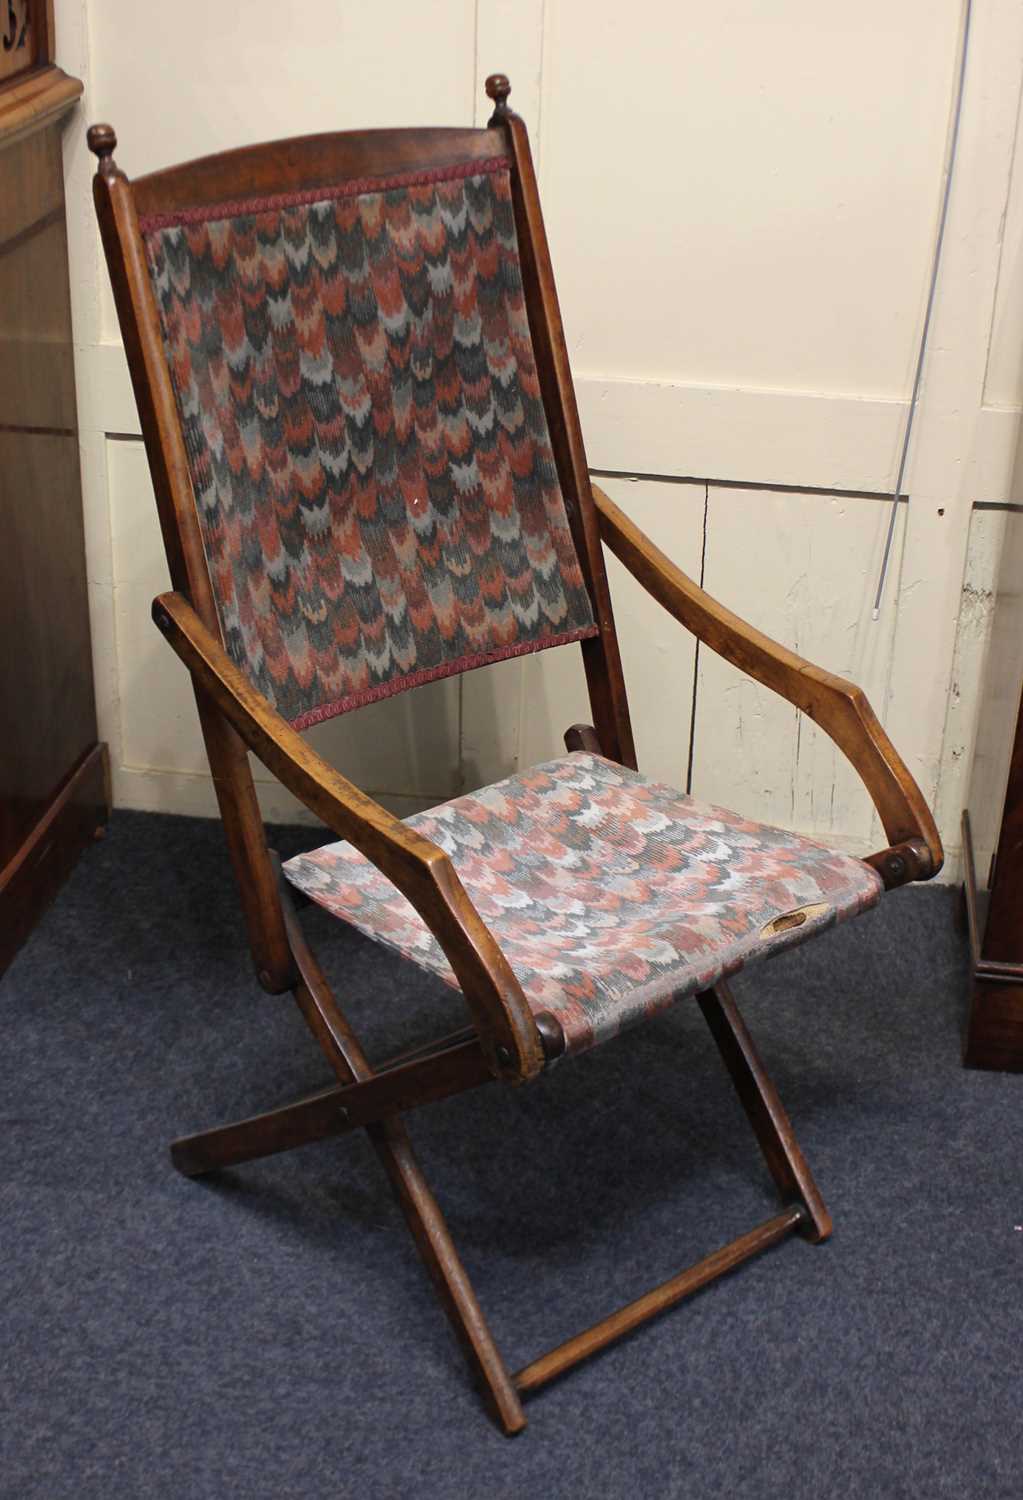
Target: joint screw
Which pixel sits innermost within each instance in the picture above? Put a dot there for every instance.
(264, 979)
(343, 1114)
(896, 867)
(503, 1056)
(163, 621)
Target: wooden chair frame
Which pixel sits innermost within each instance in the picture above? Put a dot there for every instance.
(503, 1039)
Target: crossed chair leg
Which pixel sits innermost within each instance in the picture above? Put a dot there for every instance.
(372, 1099)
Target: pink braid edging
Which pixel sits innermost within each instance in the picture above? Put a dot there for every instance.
(433, 674)
(354, 188)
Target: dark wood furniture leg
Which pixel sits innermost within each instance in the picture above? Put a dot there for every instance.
(994, 1028)
(367, 1097)
(422, 1212)
(764, 1110)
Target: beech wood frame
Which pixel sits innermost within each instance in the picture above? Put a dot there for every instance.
(503, 1039)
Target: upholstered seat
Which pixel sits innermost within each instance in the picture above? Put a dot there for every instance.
(610, 895)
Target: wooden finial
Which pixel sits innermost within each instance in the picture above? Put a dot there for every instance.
(103, 143)
(498, 88)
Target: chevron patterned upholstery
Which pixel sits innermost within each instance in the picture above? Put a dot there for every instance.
(610, 895)
(367, 445)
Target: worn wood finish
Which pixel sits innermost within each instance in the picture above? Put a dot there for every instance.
(315, 1118)
(36, 100)
(421, 871)
(549, 1366)
(407, 1084)
(838, 706)
(308, 162)
(602, 661)
(764, 1110)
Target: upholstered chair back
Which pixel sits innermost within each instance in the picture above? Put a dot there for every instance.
(368, 449)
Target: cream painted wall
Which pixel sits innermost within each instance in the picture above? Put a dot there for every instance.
(741, 202)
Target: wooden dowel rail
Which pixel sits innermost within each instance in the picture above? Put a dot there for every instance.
(556, 1361)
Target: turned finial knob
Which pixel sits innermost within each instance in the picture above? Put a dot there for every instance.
(102, 143)
(498, 88)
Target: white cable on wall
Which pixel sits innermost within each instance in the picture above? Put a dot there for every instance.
(950, 158)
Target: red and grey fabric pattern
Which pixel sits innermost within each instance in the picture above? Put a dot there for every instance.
(611, 896)
(366, 437)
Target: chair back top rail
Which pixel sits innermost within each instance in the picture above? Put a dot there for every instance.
(308, 162)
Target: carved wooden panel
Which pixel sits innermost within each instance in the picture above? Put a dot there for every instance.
(24, 36)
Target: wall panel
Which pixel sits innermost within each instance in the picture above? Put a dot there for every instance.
(516, 713)
(801, 568)
(742, 232)
(784, 213)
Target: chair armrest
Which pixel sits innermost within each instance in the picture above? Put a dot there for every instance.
(421, 871)
(839, 707)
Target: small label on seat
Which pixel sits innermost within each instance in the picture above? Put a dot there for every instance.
(793, 919)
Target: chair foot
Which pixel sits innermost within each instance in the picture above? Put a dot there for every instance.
(764, 1110)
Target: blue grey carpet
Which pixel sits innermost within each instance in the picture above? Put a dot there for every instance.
(271, 1333)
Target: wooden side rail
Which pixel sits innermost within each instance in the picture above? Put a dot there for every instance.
(403, 1085)
(556, 1361)
(839, 707)
(423, 873)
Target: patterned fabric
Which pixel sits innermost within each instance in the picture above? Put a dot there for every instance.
(366, 438)
(610, 895)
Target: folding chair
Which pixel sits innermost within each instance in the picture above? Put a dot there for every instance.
(353, 385)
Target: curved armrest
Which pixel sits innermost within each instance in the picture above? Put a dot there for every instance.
(422, 873)
(838, 706)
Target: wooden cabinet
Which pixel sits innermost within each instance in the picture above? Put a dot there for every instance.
(993, 824)
(53, 778)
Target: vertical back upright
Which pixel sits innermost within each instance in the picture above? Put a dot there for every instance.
(229, 766)
(601, 655)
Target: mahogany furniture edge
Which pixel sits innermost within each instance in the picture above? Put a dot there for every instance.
(55, 795)
(35, 99)
(994, 1025)
(32, 879)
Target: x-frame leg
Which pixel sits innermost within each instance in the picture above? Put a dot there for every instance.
(383, 1093)
(422, 1212)
(764, 1110)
